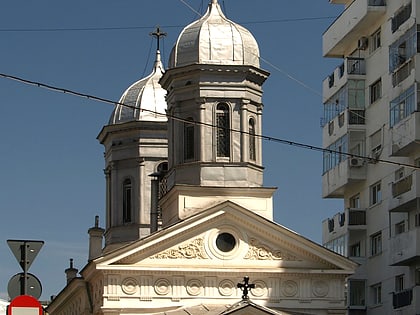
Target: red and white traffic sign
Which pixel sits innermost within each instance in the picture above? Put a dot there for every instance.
(25, 305)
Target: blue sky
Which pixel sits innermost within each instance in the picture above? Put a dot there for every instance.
(51, 165)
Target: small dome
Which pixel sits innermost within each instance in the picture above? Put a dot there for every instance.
(144, 99)
(214, 39)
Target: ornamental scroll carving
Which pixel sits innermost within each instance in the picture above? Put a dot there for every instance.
(259, 251)
(191, 250)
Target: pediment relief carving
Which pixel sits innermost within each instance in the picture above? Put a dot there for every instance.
(260, 251)
(189, 250)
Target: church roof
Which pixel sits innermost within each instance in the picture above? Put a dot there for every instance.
(144, 100)
(214, 39)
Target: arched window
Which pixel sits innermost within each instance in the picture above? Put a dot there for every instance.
(252, 145)
(188, 140)
(127, 202)
(223, 130)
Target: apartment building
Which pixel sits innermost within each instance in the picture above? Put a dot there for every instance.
(371, 133)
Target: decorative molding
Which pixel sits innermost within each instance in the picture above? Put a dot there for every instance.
(191, 250)
(259, 251)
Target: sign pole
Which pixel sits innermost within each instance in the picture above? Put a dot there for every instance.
(24, 267)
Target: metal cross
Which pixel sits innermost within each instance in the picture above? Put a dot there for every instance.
(158, 34)
(246, 288)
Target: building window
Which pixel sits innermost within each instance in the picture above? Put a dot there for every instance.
(375, 41)
(400, 17)
(376, 244)
(333, 156)
(375, 193)
(399, 283)
(252, 142)
(127, 201)
(375, 91)
(402, 106)
(376, 143)
(357, 295)
(376, 294)
(355, 250)
(403, 49)
(188, 140)
(355, 202)
(417, 220)
(338, 245)
(223, 130)
(400, 228)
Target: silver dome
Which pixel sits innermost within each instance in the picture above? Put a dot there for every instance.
(214, 39)
(145, 99)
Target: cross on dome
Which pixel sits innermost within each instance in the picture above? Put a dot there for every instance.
(158, 34)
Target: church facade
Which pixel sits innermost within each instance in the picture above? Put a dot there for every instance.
(189, 224)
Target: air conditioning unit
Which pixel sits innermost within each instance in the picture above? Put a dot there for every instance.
(356, 162)
(362, 44)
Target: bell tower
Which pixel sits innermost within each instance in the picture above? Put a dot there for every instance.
(214, 84)
(135, 142)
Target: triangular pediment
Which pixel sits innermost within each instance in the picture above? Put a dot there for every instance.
(226, 236)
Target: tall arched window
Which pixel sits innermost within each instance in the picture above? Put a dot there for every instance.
(127, 202)
(188, 140)
(223, 130)
(252, 144)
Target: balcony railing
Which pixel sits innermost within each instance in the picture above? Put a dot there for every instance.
(405, 248)
(403, 298)
(406, 193)
(402, 186)
(357, 217)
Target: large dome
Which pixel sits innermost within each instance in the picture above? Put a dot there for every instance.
(214, 39)
(143, 100)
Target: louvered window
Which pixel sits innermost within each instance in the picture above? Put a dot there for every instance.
(223, 130)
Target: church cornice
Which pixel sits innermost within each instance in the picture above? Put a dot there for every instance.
(249, 73)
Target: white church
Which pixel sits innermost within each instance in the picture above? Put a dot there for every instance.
(189, 224)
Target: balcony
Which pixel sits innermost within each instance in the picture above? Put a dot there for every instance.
(407, 301)
(403, 298)
(351, 68)
(342, 176)
(405, 136)
(355, 22)
(405, 193)
(405, 248)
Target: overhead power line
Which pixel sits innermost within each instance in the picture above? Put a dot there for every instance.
(367, 159)
(139, 27)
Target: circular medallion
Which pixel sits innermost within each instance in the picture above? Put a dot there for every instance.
(129, 286)
(162, 287)
(290, 288)
(260, 289)
(320, 288)
(226, 287)
(194, 287)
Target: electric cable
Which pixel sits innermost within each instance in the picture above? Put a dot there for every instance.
(367, 159)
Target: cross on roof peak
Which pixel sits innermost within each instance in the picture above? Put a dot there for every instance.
(246, 288)
(158, 34)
